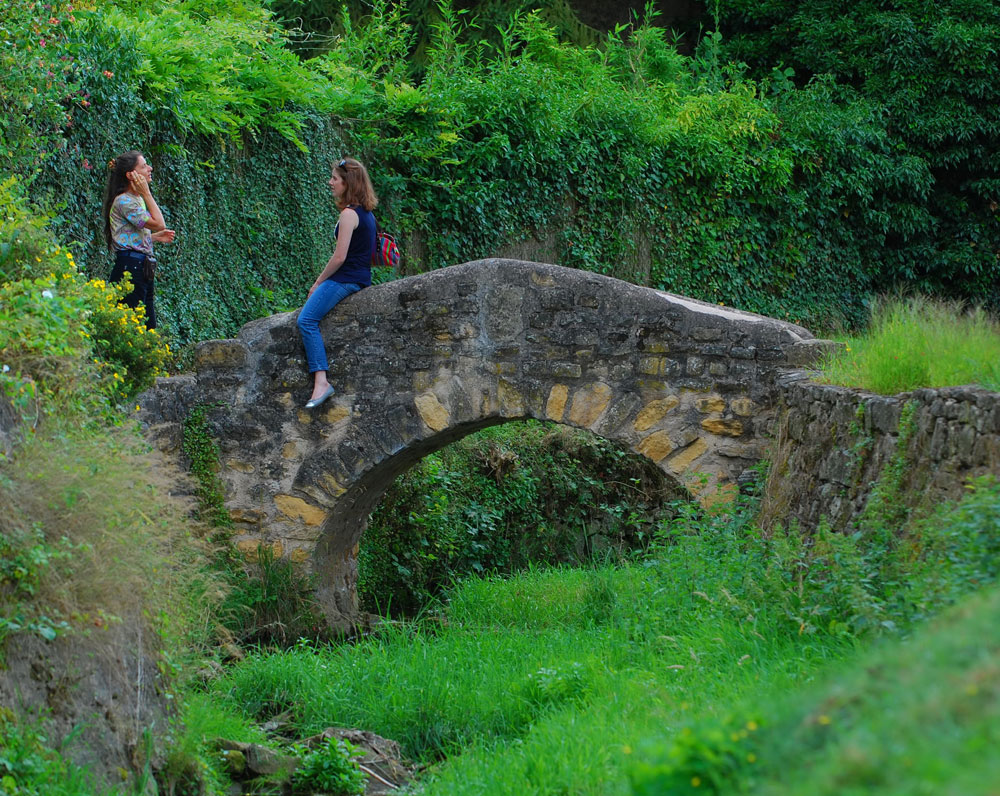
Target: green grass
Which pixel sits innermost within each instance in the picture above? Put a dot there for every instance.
(718, 659)
(919, 342)
(920, 716)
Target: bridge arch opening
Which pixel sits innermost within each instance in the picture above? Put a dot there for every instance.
(335, 563)
(501, 498)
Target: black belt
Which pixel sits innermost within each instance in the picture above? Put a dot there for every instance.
(133, 254)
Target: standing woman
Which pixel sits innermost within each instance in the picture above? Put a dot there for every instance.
(347, 271)
(132, 221)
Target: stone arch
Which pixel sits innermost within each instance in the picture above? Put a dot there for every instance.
(423, 361)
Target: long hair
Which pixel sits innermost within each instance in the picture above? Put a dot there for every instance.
(117, 184)
(359, 189)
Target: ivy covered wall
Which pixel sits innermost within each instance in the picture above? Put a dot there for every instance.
(629, 159)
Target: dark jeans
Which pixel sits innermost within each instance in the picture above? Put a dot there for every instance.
(142, 288)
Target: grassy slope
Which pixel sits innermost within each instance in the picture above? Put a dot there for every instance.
(920, 716)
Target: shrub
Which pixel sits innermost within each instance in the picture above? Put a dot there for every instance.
(330, 768)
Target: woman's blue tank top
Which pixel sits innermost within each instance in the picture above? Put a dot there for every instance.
(357, 268)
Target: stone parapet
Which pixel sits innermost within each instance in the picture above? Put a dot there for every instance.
(834, 443)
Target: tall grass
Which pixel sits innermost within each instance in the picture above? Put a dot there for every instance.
(919, 342)
(89, 531)
(587, 681)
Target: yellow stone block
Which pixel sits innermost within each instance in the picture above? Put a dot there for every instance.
(722, 495)
(290, 450)
(336, 413)
(542, 280)
(724, 428)
(713, 403)
(656, 446)
(588, 404)
(556, 404)
(299, 556)
(242, 467)
(683, 460)
(651, 366)
(511, 401)
(432, 412)
(331, 485)
(297, 509)
(653, 412)
(743, 406)
(248, 547)
(304, 417)
(286, 400)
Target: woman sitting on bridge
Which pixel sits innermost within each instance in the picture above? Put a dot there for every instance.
(347, 271)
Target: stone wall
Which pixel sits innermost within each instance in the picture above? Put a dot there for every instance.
(833, 443)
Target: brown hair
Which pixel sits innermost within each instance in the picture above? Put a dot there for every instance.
(359, 190)
(117, 184)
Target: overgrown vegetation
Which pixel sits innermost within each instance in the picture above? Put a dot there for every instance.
(861, 161)
(501, 499)
(569, 679)
(919, 342)
(931, 71)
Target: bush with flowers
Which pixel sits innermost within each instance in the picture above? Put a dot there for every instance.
(129, 355)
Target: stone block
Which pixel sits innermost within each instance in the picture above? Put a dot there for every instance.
(683, 460)
(556, 403)
(214, 355)
(653, 412)
(589, 403)
(742, 406)
(723, 427)
(657, 446)
(295, 508)
(710, 404)
(432, 412)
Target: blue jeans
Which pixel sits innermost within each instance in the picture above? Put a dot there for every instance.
(324, 298)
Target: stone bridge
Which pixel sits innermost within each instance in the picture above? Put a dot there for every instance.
(421, 362)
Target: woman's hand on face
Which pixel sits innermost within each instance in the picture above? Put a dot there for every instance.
(139, 183)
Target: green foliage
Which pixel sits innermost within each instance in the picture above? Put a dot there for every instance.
(202, 453)
(30, 767)
(500, 499)
(270, 602)
(713, 757)
(900, 719)
(639, 162)
(919, 342)
(59, 334)
(194, 763)
(932, 72)
(330, 768)
(37, 86)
